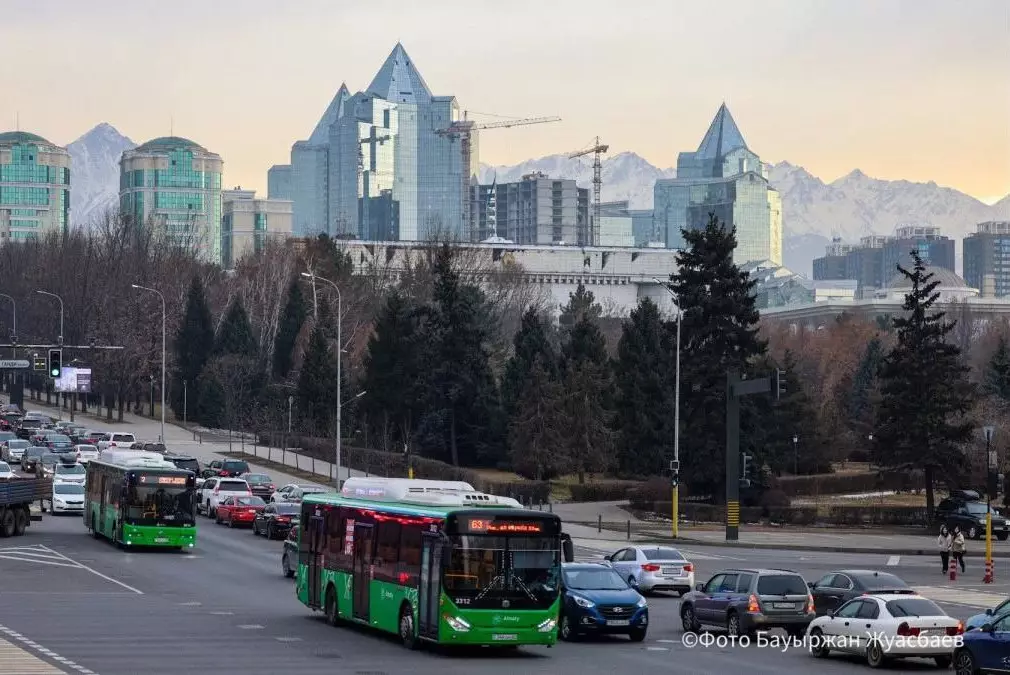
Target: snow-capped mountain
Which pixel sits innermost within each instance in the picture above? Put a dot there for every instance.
(95, 172)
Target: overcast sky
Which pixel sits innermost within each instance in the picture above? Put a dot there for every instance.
(913, 89)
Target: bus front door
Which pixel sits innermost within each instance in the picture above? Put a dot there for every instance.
(316, 540)
(429, 586)
(362, 568)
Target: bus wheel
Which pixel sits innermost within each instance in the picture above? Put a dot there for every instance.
(7, 523)
(332, 613)
(407, 627)
(20, 522)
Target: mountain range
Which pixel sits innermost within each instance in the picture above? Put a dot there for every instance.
(850, 207)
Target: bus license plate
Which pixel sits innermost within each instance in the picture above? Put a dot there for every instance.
(618, 622)
(504, 637)
(161, 540)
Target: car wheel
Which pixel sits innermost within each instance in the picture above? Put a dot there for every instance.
(875, 654)
(286, 566)
(942, 662)
(818, 645)
(689, 620)
(973, 532)
(733, 625)
(964, 663)
(637, 635)
(566, 631)
(407, 635)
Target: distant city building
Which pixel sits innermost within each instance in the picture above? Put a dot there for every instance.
(248, 223)
(534, 210)
(617, 225)
(987, 259)
(723, 176)
(34, 187)
(174, 184)
(873, 262)
(279, 182)
(381, 163)
(778, 286)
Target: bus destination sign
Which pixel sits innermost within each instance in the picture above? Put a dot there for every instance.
(494, 526)
(148, 479)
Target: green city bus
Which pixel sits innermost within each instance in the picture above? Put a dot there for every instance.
(137, 498)
(432, 561)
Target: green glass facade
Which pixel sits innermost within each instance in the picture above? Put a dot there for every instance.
(175, 184)
(34, 187)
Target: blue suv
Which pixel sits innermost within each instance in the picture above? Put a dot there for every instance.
(596, 600)
(985, 650)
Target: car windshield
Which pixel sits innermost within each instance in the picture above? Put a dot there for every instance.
(86, 448)
(662, 554)
(914, 607)
(249, 501)
(5, 467)
(233, 486)
(781, 584)
(17, 444)
(879, 582)
(35, 451)
(240, 467)
(977, 509)
(50, 459)
(257, 478)
(594, 580)
(484, 571)
(59, 438)
(75, 469)
(188, 464)
(68, 489)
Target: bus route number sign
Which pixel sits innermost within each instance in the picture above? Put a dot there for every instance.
(504, 526)
(164, 480)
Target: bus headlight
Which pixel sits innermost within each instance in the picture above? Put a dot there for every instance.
(547, 625)
(457, 624)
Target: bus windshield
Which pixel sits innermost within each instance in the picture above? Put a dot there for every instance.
(492, 572)
(159, 505)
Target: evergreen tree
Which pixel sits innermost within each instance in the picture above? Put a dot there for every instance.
(531, 343)
(793, 416)
(582, 339)
(537, 428)
(316, 392)
(235, 335)
(922, 420)
(863, 394)
(997, 374)
(581, 303)
(210, 401)
(644, 398)
(292, 318)
(193, 344)
(719, 334)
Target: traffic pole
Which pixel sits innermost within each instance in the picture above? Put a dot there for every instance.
(987, 579)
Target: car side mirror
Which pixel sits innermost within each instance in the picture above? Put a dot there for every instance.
(988, 612)
(633, 582)
(699, 587)
(831, 614)
(810, 585)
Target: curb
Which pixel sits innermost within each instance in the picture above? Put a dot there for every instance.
(828, 549)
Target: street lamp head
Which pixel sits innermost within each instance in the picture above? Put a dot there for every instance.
(134, 286)
(307, 275)
(796, 438)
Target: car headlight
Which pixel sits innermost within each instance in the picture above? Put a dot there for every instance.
(457, 624)
(547, 625)
(642, 602)
(981, 521)
(583, 602)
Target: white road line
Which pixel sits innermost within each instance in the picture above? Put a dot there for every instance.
(250, 626)
(288, 639)
(190, 604)
(894, 561)
(96, 572)
(36, 561)
(960, 596)
(16, 660)
(657, 649)
(223, 613)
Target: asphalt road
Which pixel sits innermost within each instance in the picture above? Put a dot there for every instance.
(82, 606)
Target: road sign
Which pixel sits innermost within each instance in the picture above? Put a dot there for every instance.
(40, 362)
(13, 363)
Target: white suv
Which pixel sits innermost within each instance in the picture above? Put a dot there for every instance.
(117, 441)
(215, 490)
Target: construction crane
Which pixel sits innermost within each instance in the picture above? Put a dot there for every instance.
(462, 129)
(596, 150)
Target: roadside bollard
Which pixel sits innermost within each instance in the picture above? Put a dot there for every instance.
(953, 568)
(629, 530)
(599, 523)
(987, 579)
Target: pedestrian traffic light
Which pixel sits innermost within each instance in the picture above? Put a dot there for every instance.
(55, 362)
(745, 470)
(780, 383)
(675, 472)
(39, 363)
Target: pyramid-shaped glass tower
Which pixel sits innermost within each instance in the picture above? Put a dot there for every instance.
(321, 134)
(398, 80)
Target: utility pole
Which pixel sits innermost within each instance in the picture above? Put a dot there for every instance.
(989, 490)
(340, 351)
(737, 388)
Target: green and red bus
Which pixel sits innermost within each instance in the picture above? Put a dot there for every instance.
(432, 561)
(138, 499)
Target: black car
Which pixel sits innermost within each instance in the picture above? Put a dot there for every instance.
(30, 458)
(28, 427)
(184, 462)
(969, 515)
(289, 558)
(261, 484)
(46, 465)
(276, 520)
(228, 468)
(836, 588)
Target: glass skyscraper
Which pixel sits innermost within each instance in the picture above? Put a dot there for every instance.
(174, 184)
(34, 186)
(380, 165)
(723, 176)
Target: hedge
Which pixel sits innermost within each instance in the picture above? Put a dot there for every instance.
(854, 516)
(395, 464)
(851, 483)
(604, 492)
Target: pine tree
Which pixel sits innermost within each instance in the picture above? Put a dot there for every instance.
(926, 396)
(582, 339)
(581, 303)
(193, 345)
(644, 399)
(862, 400)
(316, 392)
(235, 335)
(531, 343)
(719, 334)
(997, 374)
(793, 416)
(292, 318)
(537, 428)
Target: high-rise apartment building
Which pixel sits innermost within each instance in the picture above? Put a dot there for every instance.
(248, 223)
(380, 163)
(723, 176)
(934, 248)
(832, 266)
(534, 210)
(987, 259)
(34, 186)
(174, 184)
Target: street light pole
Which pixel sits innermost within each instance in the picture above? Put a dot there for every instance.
(164, 334)
(53, 295)
(340, 349)
(989, 430)
(796, 456)
(675, 481)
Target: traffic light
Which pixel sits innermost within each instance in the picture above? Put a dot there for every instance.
(745, 470)
(675, 472)
(39, 363)
(55, 362)
(780, 383)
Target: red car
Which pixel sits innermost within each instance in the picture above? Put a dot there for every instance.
(239, 510)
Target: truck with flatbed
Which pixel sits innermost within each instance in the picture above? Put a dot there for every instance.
(16, 498)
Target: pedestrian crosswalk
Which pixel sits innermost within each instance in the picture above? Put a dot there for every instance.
(590, 554)
(13, 659)
(964, 595)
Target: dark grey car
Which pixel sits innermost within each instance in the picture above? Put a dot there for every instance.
(745, 601)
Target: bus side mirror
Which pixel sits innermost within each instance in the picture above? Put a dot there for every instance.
(567, 548)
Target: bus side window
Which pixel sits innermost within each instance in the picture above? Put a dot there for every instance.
(334, 535)
(387, 550)
(410, 553)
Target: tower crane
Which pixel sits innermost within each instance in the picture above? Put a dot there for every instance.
(596, 150)
(463, 130)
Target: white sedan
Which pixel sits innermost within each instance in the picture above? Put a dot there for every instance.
(5, 471)
(86, 453)
(654, 568)
(887, 626)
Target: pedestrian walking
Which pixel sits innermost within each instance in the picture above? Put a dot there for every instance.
(957, 547)
(943, 543)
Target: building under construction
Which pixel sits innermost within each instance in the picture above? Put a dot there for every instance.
(536, 210)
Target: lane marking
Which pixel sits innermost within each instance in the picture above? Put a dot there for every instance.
(288, 639)
(668, 642)
(657, 649)
(190, 604)
(960, 596)
(96, 572)
(250, 626)
(27, 663)
(36, 561)
(894, 561)
(223, 613)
